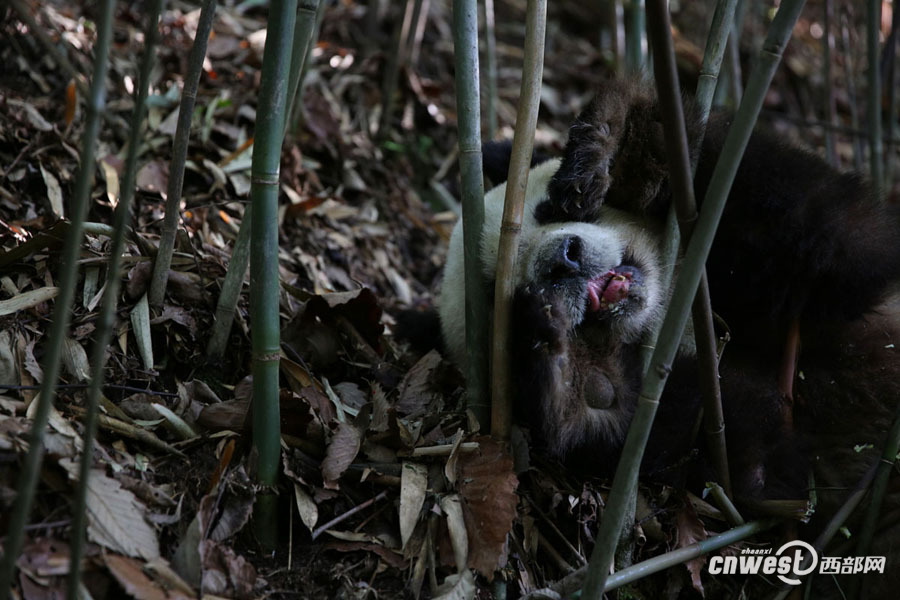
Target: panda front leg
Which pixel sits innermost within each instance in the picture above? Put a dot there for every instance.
(541, 364)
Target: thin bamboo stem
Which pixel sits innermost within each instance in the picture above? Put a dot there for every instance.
(231, 288)
(879, 490)
(685, 289)
(570, 584)
(303, 36)
(465, 59)
(513, 209)
(490, 55)
(892, 97)
(31, 467)
(681, 183)
(635, 42)
(106, 318)
(265, 286)
(163, 261)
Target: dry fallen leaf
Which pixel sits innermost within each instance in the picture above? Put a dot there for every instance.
(488, 489)
(413, 485)
(690, 531)
(342, 449)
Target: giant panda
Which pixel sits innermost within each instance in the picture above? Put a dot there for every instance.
(801, 248)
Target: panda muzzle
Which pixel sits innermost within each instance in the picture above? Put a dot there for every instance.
(610, 289)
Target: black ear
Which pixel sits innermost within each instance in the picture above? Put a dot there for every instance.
(495, 157)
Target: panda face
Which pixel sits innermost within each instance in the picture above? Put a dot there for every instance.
(585, 293)
(605, 273)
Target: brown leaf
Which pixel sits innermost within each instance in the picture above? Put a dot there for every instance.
(488, 490)
(226, 573)
(341, 451)
(130, 575)
(690, 530)
(154, 177)
(416, 390)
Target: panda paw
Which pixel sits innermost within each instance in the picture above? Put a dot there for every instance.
(540, 321)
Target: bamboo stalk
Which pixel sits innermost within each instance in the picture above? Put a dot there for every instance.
(465, 60)
(303, 37)
(892, 97)
(712, 56)
(682, 185)
(231, 288)
(570, 584)
(879, 490)
(490, 55)
(876, 150)
(163, 260)
(635, 42)
(264, 283)
(106, 318)
(513, 208)
(835, 523)
(689, 277)
(31, 467)
(299, 114)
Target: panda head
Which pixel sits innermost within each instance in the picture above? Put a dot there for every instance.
(605, 274)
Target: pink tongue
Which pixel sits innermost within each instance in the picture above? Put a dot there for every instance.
(595, 289)
(607, 289)
(617, 289)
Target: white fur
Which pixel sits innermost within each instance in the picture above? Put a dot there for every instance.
(609, 238)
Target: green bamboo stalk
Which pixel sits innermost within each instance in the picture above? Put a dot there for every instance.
(685, 288)
(892, 96)
(264, 283)
(830, 105)
(303, 36)
(106, 318)
(31, 468)
(681, 183)
(240, 256)
(879, 489)
(231, 288)
(835, 523)
(298, 113)
(570, 584)
(490, 55)
(163, 260)
(635, 56)
(513, 209)
(876, 151)
(712, 57)
(724, 503)
(465, 60)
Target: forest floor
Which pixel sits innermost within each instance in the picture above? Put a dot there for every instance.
(364, 220)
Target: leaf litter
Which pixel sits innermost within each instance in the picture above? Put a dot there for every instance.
(395, 491)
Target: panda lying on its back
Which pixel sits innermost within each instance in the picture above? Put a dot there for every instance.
(800, 245)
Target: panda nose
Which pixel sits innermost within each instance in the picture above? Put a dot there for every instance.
(567, 259)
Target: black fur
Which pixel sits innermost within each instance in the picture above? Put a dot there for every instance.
(495, 158)
(799, 243)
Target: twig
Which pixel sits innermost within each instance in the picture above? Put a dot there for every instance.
(343, 517)
(444, 449)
